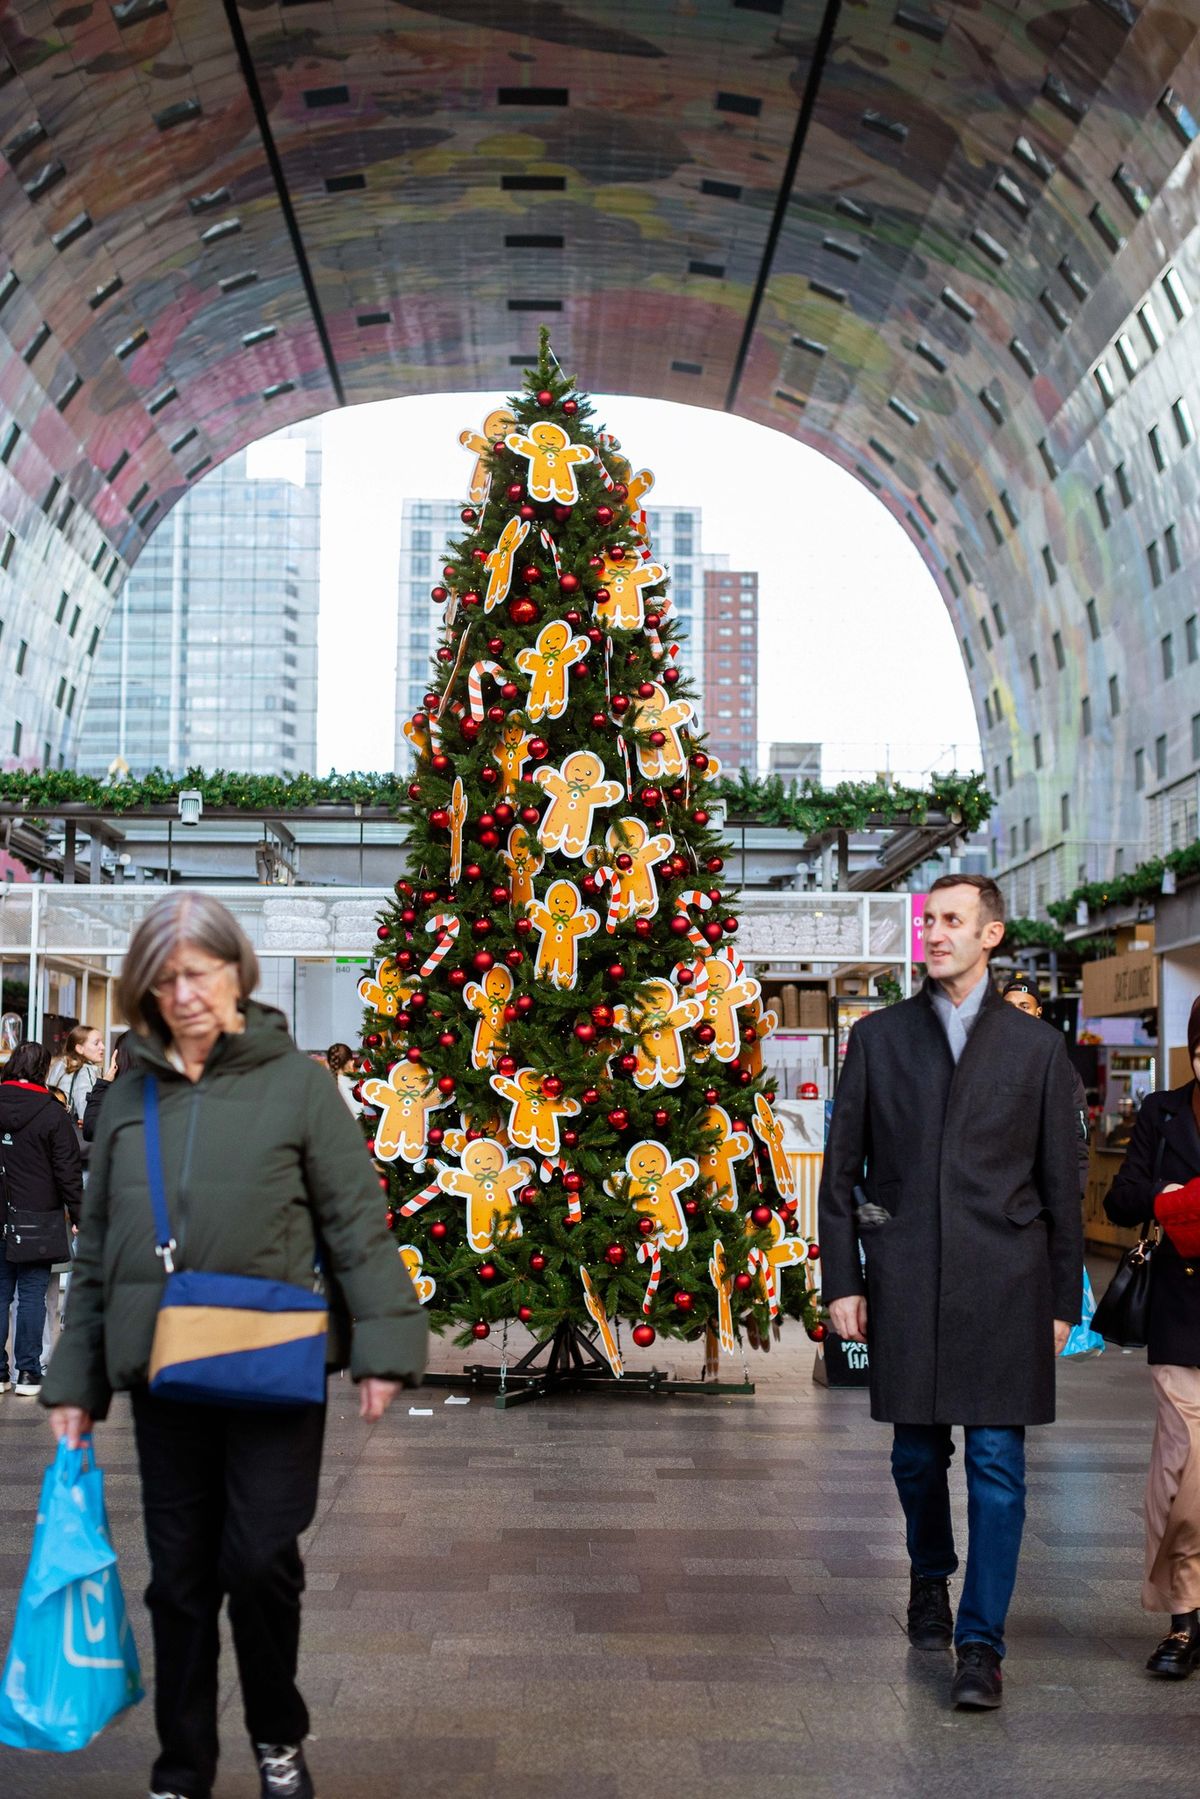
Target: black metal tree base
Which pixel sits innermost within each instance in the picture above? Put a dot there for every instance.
(569, 1362)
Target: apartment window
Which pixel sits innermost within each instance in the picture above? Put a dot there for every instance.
(1151, 329)
(1102, 506)
(993, 524)
(1047, 456)
(60, 611)
(1139, 770)
(996, 779)
(1114, 697)
(1093, 619)
(1127, 354)
(1154, 558)
(967, 654)
(1001, 627)
(1124, 488)
(1008, 771)
(1035, 672)
(1027, 834)
(16, 748)
(1064, 811)
(987, 711)
(1060, 656)
(1185, 431)
(1086, 714)
(1049, 564)
(1037, 749)
(1160, 758)
(1177, 294)
(1012, 842)
(1167, 649)
(1022, 355)
(1171, 546)
(1102, 376)
(1154, 438)
(1050, 306)
(1191, 635)
(1178, 117)
(1196, 736)
(985, 633)
(22, 652)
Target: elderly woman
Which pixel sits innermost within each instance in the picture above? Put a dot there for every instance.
(264, 1175)
(1159, 1180)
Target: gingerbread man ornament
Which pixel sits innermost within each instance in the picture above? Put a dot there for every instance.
(656, 1018)
(625, 584)
(598, 1315)
(724, 991)
(785, 1251)
(548, 663)
(561, 920)
(652, 1185)
(552, 459)
(659, 714)
(489, 1183)
(722, 1279)
(500, 561)
(718, 1164)
(458, 820)
(576, 790)
(489, 999)
(512, 753)
(495, 425)
(634, 889)
(523, 860)
(386, 991)
(414, 1266)
(534, 1119)
(405, 1101)
(769, 1132)
(764, 1023)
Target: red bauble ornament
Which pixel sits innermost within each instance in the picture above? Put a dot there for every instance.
(481, 1330)
(712, 930)
(585, 1032)
(383, 932)
(646, 1227)
(439, 818)
(642, 927)
(487, 1271)
(593, 635)
(523, 926)
(700, 816)
(570, 1139)
(705, 1033)
(470, 728)
(743, 1282)
(524, 1313)
(562, 514)
(602, 1017)
(761, 1216)
(670, 676)
(482, 960)
(618, 1118)
(538, 748)
(570, 407)
(595, 562)
(526, 511)
(504, 813)
(715, 864)
(446, 1084)
(645, 690)
(614, 1255)
(537, 1262)
(627, 1063)
(435, 1134)
(615, 972)
(439, 762)
(468, 515)
(570, 1221)
(729, 926)
(414, 791)
(680, 925)
(500, 895)
(531, 572)
(658, 738)
(818, 1333)
(457, 977)
(643, 1335)
(507, 1065)
(814, 1252)
(572, 1181)
(523, 611)
(472, 871)
(599, 721)
(439, 1231)
(620, 703)
(530, 815)
(515, 490)
(405, 959)
(439, 595)
(661, 1120)
(489, 839)
(569, 583)
(604, 515)
(710, 1096)
(650, 798)
(373, 1041)
(481, 926)
(545, 397)
(445, 653)
(524, 1004)
(685, 1301)
(471, 597)
(447, 1039)
(551, 1085)
(589, 1096)
(589, 884)
(618, 552)
(528, 1195)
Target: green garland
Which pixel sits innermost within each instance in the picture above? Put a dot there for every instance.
(847, 806)
(1141, 883)
(851, 804)
(1039, 933)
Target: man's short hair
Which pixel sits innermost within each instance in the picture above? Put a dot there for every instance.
(991, 900)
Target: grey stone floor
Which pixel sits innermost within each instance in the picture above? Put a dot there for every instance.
(599, 1598)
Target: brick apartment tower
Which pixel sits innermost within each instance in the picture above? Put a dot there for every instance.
(730, 659)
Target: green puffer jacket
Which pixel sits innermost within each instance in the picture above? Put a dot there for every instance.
(255, 1153)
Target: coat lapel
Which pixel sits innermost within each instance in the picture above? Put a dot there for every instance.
(1179, 1129)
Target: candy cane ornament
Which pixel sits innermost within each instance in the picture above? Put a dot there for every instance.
(420, 1199)
(447, 923)
(651, 1251)
(475, 684)
(552, 551)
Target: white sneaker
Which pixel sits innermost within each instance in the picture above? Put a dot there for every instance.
(5, 1385)
(28, 1386)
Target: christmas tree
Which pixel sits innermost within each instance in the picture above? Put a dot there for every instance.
(563, 1083)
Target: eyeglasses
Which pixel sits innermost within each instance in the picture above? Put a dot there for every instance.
(200, 978)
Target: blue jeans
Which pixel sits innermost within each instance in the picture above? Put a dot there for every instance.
(995, 1465)
(29, 1281)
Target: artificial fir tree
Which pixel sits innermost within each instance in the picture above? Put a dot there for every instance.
(564, 1091)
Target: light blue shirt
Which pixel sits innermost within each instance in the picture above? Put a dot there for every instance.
(958, 1021)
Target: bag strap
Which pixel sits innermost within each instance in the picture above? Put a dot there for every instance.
(166, 1245)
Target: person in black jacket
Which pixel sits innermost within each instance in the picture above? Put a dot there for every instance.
(119, 1063)
(41, 1177)
(1162, 1159)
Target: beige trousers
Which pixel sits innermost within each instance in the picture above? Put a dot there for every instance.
(1172, 1581)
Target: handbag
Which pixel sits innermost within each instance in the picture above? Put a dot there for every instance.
(1123, 1314)
(32, 1234)
(228, 1339)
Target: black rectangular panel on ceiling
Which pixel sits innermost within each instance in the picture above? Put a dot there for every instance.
(745, 104)
(533, 184)
(535, 305)
(326, 96)
(533, 240)
(533, 96)
(374, 318)
(344, 184)
(721, 190)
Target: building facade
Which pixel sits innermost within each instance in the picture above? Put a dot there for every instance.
(427, 526)
(730, 661)
(210, 658)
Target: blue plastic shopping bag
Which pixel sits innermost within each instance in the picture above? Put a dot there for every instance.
(1083, 1339)
(72, 1664)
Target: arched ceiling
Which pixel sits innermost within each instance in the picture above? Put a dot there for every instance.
(902, 234)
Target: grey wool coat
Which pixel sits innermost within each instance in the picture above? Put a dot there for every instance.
(983, 1248)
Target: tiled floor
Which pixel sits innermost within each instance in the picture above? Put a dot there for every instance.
(600, 1598)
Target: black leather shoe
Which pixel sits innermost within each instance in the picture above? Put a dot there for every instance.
(1177, 1656)
(930, 1621)
(978, 1682)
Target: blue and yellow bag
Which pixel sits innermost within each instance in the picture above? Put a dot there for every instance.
(229, 1339)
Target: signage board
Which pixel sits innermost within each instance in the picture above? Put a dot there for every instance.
(1120, 984)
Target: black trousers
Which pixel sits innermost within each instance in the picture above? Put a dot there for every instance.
(226, 1493)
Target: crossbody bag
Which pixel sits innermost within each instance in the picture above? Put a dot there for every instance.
(228, 1339)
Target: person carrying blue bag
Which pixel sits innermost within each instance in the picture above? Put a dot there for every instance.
(225, 1172)
(72, 1664)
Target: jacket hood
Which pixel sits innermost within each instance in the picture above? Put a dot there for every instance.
(20, 1103)
(265, 1038)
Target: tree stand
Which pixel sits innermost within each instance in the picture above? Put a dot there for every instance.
(569, 1362)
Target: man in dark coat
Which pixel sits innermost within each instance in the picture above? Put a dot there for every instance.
(951, 1157)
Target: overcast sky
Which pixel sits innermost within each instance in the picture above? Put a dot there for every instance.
(856, 648)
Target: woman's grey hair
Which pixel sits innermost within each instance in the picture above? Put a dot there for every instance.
(182, 917)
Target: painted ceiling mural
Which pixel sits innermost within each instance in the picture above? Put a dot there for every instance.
(951, 246)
